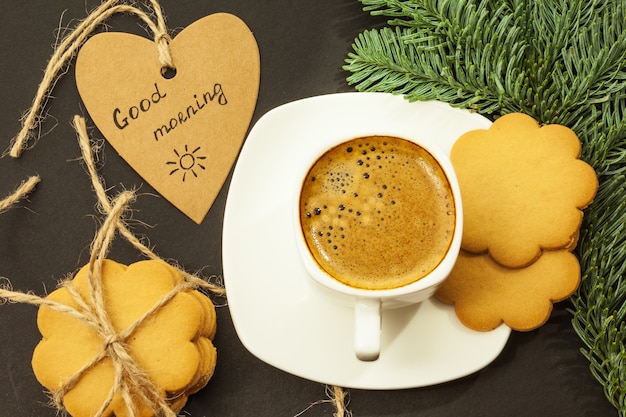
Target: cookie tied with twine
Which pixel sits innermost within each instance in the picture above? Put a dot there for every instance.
(139, 331)
(120, 327)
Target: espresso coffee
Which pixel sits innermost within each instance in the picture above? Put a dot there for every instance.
(377, 212)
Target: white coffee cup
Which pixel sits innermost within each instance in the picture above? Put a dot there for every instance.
(369, 304)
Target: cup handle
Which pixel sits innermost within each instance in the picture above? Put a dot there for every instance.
(367, 328)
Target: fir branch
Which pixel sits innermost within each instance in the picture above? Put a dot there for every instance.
(385, 60)
(599, 316)
(560, 61)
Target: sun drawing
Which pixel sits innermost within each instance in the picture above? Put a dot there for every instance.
(188, 162)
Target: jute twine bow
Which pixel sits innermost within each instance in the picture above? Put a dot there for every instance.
(68, 47)
(130, 381)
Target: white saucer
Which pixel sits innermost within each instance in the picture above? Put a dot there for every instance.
(278, 313)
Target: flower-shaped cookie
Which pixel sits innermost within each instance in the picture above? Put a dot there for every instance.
(523, 188)
(486, 294)
(172, 346)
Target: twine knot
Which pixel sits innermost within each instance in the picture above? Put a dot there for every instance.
(162, 40)
(111, 341)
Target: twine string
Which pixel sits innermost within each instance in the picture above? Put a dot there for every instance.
(162, 38)
(68, 47)
(86, 147)
(129, 378)
(338, 397)
(130, 381)
(21, 192)
(61, 54)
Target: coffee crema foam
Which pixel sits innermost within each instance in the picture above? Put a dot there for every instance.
(377, 212)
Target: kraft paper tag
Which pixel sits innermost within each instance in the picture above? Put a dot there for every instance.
(182, 133)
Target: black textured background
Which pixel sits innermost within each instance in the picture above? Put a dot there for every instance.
(303, 45)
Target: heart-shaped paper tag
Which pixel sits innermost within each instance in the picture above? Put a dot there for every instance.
(182, 134)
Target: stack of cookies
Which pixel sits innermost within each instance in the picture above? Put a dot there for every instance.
(523, 188)
(145, 311)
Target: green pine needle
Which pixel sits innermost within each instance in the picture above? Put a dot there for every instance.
(559, 61)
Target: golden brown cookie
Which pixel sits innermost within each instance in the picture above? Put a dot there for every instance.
(486, 294)
(173, 346)
(522, 187)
